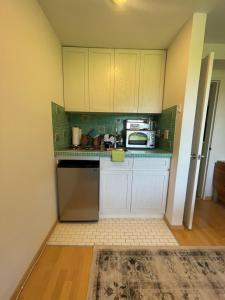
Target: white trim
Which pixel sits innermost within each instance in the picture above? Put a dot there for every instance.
(130, 216)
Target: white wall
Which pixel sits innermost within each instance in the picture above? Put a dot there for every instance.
(218, 49)
(181, 87)
(218, 140)
(218, 143)
(30, 64)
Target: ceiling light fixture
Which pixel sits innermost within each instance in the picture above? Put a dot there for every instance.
(119, 2)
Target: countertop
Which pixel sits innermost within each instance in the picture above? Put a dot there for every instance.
(70, 153)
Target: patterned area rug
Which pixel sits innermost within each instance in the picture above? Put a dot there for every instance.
(158, 274)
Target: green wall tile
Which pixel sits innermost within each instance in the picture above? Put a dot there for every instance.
(105, 123)
(61, 127)
(167, 120)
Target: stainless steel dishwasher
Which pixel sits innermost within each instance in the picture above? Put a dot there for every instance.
(78, 190)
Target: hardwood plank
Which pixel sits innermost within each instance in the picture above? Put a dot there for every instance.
(30, 268)
(61, 273)
(208, 226)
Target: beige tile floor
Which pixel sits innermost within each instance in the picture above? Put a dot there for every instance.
(121, 232)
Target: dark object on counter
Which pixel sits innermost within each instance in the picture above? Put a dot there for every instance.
(107, 145)
(97, 141)
(78, 190)
(85, 140)
(219, 181)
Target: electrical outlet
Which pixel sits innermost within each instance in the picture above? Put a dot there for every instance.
(57, 137)
(64, 134)
(166, 134)
(179, 108)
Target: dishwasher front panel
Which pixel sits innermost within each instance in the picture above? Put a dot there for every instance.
(78, 193)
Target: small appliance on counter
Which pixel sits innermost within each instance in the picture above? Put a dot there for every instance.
(139, 135)
(76, 136)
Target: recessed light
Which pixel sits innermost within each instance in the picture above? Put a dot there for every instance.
(119, 2)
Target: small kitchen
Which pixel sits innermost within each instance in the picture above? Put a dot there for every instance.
(98, 102)
(113, 143)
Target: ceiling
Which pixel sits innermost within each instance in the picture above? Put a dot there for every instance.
(147, 24)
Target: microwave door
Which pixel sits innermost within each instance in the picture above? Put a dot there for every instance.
(138, 139)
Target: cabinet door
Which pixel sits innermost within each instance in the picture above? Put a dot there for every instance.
(151, 164)
(75, 72)
(151, 81)
(115, 193)
(127, 69)
(101, 79)
(149, 192)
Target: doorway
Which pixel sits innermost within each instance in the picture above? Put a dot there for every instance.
(207, 139)
(212, 145)
(197, 140)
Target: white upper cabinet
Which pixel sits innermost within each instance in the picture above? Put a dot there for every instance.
(151, 81)
(113, 80)
(75, 72)
(127, 69)
(101, 79)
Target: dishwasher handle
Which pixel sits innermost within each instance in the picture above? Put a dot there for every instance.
(81, 164)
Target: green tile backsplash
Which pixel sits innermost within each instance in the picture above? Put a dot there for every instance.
(61, 127)
(167, 120)
(105, 123)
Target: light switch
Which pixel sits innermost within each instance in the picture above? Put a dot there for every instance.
(179, 108)
(158, 133)
(166, 134)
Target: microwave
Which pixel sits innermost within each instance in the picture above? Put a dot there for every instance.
(141, 139)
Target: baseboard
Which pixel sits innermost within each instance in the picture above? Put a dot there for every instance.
(173, 226)
(208, 198)
(30, 268)
(130, 216)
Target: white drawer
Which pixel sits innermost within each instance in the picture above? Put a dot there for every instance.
(107, 164)
(151, 163)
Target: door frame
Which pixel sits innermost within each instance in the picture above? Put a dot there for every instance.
(204, 166)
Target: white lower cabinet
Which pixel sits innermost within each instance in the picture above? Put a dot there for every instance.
(134, 188)
(115, 192)
(149, 191)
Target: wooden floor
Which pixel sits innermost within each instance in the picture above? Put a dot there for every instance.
(62, 273)
(208, 226)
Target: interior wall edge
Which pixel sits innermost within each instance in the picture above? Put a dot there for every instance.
(193, 36)
(32, 265)
(32, 66)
